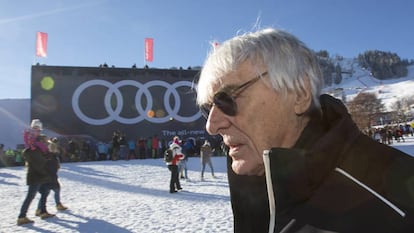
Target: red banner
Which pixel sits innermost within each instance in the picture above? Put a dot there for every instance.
(41, 44)
(149, 49)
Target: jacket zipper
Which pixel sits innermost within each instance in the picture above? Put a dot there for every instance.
(270, 193)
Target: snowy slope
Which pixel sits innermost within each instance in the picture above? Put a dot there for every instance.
(389, 91)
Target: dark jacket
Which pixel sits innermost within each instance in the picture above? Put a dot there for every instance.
(205, 153)
(335, 179)
(52, 167)
(36, 167)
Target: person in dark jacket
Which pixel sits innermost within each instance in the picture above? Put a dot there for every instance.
(52, 167)
(296, 160)
(177, 156)
(205, 156)
(37, 174)
(115, 145)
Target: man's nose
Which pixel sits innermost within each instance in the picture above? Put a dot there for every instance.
(216, 120)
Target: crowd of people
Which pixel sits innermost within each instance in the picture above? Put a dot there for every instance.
(83, 149)
(388, 134)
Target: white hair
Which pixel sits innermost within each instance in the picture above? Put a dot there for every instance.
(288, 61)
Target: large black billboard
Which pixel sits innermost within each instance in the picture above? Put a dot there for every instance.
(97, 101)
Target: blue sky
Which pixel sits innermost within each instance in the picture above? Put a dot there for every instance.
(89, 33)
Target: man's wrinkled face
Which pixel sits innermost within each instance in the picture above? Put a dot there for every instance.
(264, 119)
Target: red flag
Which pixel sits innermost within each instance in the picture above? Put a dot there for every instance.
(149, 49)
(41, 44)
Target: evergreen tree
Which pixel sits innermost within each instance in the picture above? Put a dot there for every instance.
(383, 65)
(338, 74)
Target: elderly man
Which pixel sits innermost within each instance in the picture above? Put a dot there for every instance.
(296, 160)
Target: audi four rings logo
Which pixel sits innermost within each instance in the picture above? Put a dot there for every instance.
(114, 114)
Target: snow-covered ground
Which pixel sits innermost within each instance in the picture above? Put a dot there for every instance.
(123, 196)
(128, 196)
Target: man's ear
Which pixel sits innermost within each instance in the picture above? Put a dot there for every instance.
(303, 98)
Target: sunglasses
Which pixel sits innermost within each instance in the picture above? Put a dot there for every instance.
(225, 99)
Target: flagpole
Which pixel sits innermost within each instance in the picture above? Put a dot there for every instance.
(35, 47)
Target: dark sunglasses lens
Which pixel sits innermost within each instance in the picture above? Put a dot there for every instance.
(225, 103)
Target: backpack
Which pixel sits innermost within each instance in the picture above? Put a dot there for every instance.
(168, 155)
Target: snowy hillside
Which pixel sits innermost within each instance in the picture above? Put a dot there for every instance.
(15, 113)
(389, 91)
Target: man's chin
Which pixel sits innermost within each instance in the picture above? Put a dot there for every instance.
(241, 167)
